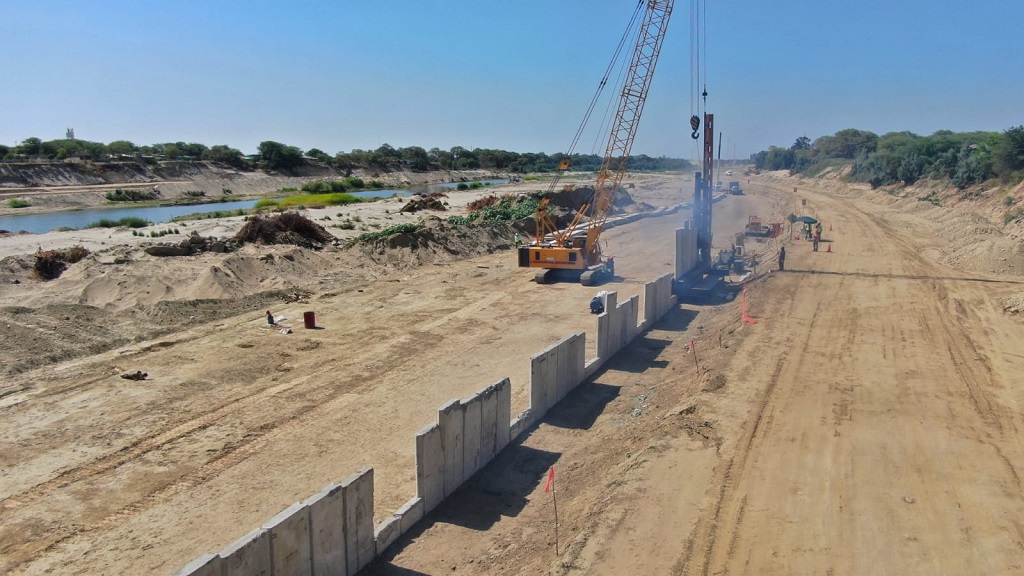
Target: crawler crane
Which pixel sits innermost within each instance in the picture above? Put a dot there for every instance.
(575, 252)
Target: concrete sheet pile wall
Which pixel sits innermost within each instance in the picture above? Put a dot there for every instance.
(658, 300)
(686, 250)
(333, 533)
(467, 435)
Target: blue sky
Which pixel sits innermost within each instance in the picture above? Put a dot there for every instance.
(516, 75)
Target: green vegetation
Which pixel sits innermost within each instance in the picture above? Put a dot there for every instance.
(507, 209)
(964, 158)
(195, 193)
(18, 204)
(277, 156)
(308, 201)
(397, 229)
(119, 195)
(343, 185)
(126, 222)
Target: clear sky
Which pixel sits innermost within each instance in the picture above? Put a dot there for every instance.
(510, 74)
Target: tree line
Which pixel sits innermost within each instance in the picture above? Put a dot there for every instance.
(964, 158)
(277, 156)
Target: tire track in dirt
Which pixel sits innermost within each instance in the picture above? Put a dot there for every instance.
(320, 401)
(702, 549)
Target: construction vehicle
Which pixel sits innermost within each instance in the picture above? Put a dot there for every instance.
(756, 228)
(734, 188)
(574, 253)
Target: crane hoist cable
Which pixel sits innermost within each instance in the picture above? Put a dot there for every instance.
(564, 164)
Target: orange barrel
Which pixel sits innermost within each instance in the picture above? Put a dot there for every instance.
(309, 319)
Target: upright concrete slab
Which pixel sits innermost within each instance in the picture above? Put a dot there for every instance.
(471, 436)
(451, 419)
(521, 423)
(358, 495)
(650, 303)
(604, 336)
(563, 378)
(488, 425)
(249, 555)
(327, 531)
(386, 534)
(543, 371)
(503, 417)
(289, 541)
(411, 512)
(632, 322)
(577, 359)
(430, 463)
(205, 565)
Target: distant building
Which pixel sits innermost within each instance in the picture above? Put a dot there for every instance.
(70, 134)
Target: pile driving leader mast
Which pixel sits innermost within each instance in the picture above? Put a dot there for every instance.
(575, 252)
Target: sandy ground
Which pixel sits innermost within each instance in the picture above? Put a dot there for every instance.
(868, 423)
(103, 475)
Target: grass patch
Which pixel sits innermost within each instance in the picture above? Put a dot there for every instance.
(508, 208)
(126, 222)
(317, 200)
(119, 195)
(18, 204)
(343, 185)
(397, 229)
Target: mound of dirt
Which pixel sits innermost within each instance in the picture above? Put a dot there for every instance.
(573, 199)
(284, 228)
(439, 241)
(1015, 304)
(432, 201)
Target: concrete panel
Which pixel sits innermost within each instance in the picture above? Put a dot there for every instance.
(503, 417)
(563, 376)
(471, 437)
(249, 555)
(604, 337)
(205, 565)
(411, 512)
(618, 326)
(327, 531)
(520, 424)
(549, 373)
(632, 320)
(358, 495)
(289, 541)
(451, 419)
(591, 368)
(488, 425)
(650, 303)
(386, 534)
(680, 251)
(542, 376)
(577, 359)
(430, 466)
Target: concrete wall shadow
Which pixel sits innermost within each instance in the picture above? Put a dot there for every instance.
(676, 320)
(499, 489)
(580, 409)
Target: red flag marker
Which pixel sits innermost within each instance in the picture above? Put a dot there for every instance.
(551, 480)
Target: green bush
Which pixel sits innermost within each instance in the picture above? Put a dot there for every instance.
(318, 200)
(266, 203)
(18, 203)
(397, 229)
(126, 222)
(508, 209)
(119, 195)
(462, 186)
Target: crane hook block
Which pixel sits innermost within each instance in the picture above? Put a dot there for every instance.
(694, 125)
(564, 164)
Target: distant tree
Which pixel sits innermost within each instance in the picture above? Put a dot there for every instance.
(802, 143)
(911, 169)
(171, 150)
(227, 155)
(1009, 153)
(121, 147)
(29, 147)
(277, 156)
(5, 151)
(318, 154)
(415, 158)
(440, 158)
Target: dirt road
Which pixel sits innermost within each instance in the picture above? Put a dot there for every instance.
(869, 423)
(107, 476)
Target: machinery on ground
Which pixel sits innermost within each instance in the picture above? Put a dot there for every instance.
(756, 228)
(734, 188)
(574, 253)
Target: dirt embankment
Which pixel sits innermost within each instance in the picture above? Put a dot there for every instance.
(49, 187)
